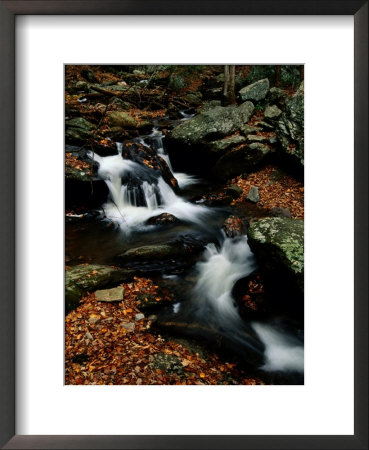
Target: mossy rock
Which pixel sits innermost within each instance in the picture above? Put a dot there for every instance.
(88, 278)
(278, 244)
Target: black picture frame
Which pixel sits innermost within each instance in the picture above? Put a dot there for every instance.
(8, 11)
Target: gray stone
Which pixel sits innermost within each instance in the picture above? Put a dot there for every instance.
(121, 119)
(110, 295)
(248, 129)
(290, 129)
(253, 194)
(130, 326)
(256, 91)
(213, 124)
(256, 138)
(272, 112)
(222, 144)
(139, 316)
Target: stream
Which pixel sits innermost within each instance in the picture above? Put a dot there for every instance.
(203, 289)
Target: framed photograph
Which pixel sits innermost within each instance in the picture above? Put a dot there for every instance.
(163, 285)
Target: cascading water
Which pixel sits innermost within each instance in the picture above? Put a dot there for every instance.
(137, 193)
(184, 180)
(217, 274)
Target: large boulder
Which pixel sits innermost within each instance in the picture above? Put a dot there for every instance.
(255, 91)
(90, 277)
(278, 245)
(290, 130)
(239, 160)
(211, 124)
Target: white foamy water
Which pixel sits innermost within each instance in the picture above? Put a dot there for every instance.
(283, 352)
(125, 206)
(218, 275)
(183, 179)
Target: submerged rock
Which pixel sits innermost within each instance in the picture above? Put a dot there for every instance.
(82, 278)
(278, 244)
(163, 219)
(255, 91)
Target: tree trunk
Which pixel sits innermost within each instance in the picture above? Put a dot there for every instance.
(229, 97)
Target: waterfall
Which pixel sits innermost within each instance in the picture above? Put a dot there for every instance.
(212, 298)
(137, 193)
(217, 274)
(283, 352)
(156, 137)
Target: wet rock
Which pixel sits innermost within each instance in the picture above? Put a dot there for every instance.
(278, 245)
(234, 226)
(253, 195)
(163, 219)
(90, 277)
(159, 252)
(148, 158)
(255, 91)
(110, 295)
(139, 316)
